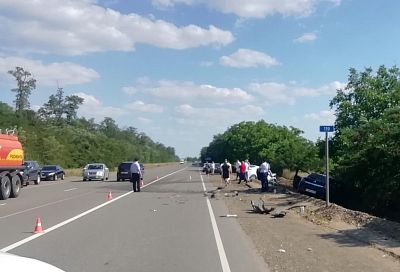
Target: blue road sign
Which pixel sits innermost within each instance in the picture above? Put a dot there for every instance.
(326, 128)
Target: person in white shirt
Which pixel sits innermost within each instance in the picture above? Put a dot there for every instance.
(264, 170)
(246, 173)
(136, 175)
(237, 165)
(212, 168)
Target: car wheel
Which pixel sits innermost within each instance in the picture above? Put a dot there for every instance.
(55, 177)
(5, 187)
(37, 181)
(15, 186)
(62, 176)
(84, 179)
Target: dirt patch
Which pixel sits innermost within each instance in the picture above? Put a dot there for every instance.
(313, 238)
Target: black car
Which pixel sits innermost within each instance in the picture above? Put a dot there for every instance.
(124, 171)
(315, 184)
(52, 172)
(32, 172)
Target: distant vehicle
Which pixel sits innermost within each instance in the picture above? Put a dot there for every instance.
(52, 172)
(95, 171)
(124, 171)
(11, 262)
(218, 169)
(32, 172)
(182, 162)
(314, 184)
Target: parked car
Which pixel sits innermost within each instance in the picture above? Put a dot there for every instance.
(314, 184)
(95, 171)
(124, 171)
(32, 172)
(253, 175)
(52, 172)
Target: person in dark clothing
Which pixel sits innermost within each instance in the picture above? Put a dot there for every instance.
(226, 172)
(136, 175)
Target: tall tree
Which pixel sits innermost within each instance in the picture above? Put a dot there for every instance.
(25, 84)
(366, 143)
(71, 107)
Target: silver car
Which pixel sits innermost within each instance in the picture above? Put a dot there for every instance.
(95, 171)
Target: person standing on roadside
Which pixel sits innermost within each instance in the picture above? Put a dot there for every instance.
(212, 168)
(246, 174)
(136, 175)
(226, 172)
(242, 172)
(237, 166)
(264, 170)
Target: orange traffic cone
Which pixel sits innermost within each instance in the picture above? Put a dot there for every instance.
(141, 183)
(38, 227)
(109, 196)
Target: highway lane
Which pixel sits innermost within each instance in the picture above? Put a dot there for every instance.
(167, 227)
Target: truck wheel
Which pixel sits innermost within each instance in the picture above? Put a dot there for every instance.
(5, 187)
(15, 186)
(37, 181)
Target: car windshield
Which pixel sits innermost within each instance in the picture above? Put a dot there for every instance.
(95, 167)
(126, 166)
(49, 167)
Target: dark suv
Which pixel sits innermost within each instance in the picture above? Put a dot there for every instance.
(32, 172)
(124, 171)
(315, 184)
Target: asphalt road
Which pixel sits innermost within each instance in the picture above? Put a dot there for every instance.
(170, 226)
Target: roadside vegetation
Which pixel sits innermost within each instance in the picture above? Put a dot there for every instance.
(55, 135)
(364, 151)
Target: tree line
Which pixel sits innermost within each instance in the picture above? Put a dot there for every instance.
(56, 135)
(364, 151)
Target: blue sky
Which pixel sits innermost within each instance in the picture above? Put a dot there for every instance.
(182, 71)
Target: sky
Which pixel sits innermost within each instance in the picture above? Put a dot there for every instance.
(182, 71)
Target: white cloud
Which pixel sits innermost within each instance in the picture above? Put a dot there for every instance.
(255, 8)
(142, 107)
(244, 58)
(221, 117)
(280, 93)
(306, 37)
(187, 90)
(322, 117)
(94, 108)
(61, 73)
(77, 27)
(130, 90)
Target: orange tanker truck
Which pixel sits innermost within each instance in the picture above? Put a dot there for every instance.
(11, 166)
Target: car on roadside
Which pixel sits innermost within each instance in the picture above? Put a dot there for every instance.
(95, 171)
(124, 170)
(52, 172)
(32, 172)
(314, 184)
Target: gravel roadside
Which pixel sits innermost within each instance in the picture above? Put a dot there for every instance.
(300, 241)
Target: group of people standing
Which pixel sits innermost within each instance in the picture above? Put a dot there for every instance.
(242, 173)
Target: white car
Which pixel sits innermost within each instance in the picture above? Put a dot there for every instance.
(10, 262)
(95, 171)
(253, 175)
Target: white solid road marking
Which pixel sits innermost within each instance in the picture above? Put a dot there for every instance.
(59, 225)
(67, 190)
(218, 240)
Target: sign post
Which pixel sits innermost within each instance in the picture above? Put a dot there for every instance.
(327, 129)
